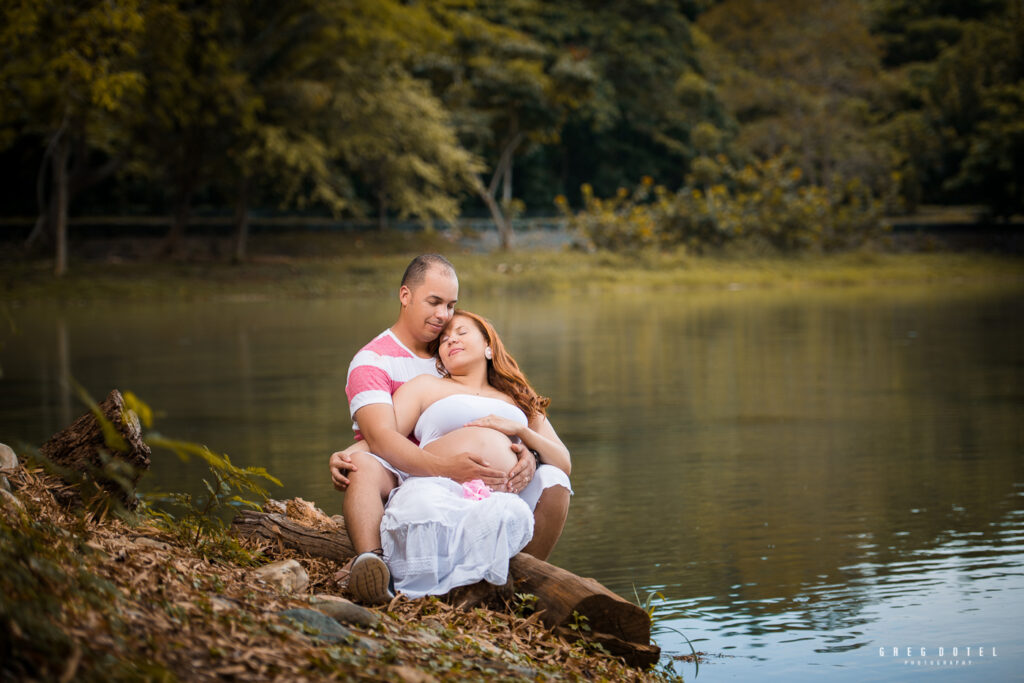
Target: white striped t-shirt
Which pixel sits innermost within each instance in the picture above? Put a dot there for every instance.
(379, 368)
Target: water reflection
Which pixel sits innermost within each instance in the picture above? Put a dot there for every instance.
(804, 476)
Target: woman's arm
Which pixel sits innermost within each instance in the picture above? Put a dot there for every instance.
(409, 402)
(539, 436)
(385, 428)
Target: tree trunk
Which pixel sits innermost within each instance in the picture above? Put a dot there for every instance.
(102, 449)
(506, 185)
(623, 628)
(502, 172)
(504, 229)
(182, 213)
(59, 214)
(241, 221)
(382, 212)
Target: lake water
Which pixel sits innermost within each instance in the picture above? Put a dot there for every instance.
(802, 480)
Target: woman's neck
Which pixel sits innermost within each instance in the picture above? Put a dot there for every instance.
(475, 382)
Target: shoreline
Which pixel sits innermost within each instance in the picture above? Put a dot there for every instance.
(334, 266)
(100, 596)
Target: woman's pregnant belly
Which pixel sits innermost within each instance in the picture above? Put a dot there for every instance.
(488, 443)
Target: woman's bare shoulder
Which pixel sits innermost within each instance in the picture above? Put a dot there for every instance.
(426, 385)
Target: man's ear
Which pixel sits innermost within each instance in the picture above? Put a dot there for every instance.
(404, 295)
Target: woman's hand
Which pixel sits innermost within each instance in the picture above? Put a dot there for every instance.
(522, 472)
(502, 424)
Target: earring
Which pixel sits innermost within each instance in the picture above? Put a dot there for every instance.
(487, 353)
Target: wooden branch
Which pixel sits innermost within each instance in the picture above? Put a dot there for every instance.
(333, 545)
(560, 593)
(624, 629)
(105, 448)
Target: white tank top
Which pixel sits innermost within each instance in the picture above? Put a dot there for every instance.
(452, 412)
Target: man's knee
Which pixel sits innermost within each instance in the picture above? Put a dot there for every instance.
(371, 474)
(553, 503)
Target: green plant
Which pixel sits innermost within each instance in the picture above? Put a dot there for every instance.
(647, 605)
(524, 604)
(201, 520)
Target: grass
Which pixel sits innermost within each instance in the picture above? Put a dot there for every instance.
(327, 265)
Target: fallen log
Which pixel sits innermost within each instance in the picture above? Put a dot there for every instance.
(278, 528)
(103, 447)
(564, 599)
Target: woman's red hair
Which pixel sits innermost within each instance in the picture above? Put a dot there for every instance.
(503, 372)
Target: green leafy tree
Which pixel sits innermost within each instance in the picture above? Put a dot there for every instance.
(70, 81)
(984, 87)
(653, 91)
(507, 90)
(804, 76)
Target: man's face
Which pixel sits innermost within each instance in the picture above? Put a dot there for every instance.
(428, 307)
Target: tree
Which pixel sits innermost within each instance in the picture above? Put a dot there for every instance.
(652, 93)
(70, 80)
(506, 89)
(978, 101)
(957, 69)
(804, 76)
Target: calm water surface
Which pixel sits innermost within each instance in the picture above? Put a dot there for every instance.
(801, 481)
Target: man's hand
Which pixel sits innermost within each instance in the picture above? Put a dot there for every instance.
(468, 466)
(522, 472)
(341, 464)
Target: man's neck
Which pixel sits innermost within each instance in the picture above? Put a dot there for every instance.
(410, 341)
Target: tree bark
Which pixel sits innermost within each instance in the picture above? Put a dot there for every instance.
(241, 245)
(502, 171)
(624, 629)
(104, 447)
(182, 213)
(382, 212)
(59, 214)
(332, 545)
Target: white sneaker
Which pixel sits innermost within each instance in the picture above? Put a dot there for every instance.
(369, 579)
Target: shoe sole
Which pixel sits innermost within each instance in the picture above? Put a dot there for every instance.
(368, 581)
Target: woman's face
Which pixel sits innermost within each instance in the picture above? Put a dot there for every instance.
(461, 345)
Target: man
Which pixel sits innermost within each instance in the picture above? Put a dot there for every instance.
(427, 294)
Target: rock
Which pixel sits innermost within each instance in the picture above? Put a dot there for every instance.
(146, 542)
(4, 484)
(286, 575)
(345, 611)
(408, 674)
(8, 459)
(9, 500)
(221, 605)
(367, 644)
(324, 627)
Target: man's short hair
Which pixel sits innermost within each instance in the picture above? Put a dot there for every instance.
(417, 270)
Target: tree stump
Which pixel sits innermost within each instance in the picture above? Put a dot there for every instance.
(103, 448)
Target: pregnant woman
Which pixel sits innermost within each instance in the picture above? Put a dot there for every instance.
(437, 534)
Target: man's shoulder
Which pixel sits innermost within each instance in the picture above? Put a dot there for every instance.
(386, 356)
(385, 345)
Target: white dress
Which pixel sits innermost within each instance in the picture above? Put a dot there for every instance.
(434, 538)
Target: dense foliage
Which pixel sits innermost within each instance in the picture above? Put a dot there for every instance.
(404, 109)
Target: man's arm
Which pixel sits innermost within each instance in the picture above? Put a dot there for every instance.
(378, 426)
